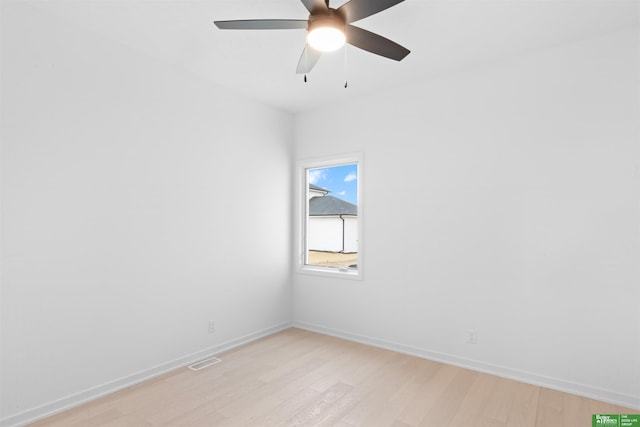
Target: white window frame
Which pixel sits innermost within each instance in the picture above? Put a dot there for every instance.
(301, 217)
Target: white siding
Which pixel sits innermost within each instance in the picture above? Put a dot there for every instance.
(325, 234)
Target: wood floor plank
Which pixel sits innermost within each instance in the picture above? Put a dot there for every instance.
(450, 399)
(320, 409)
(126, 421)
(427, 395)
(524, 406)
(408, 395)
(263, 398)
(281, 413)
(576, 410)
(550, 409)
(475, 403)
(353, 366)
(374, 392)
(397, 391)
(500, 401)
(298, 377)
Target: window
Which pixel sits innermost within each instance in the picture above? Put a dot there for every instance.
(330, 219)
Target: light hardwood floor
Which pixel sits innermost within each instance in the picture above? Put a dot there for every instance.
(297, 378)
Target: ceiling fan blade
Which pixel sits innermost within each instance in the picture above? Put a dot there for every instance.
(314, 6)
(263, 24)
(374, 43)
(355, 10)
(308, 59)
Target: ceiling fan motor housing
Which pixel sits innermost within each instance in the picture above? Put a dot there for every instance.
(326, 19)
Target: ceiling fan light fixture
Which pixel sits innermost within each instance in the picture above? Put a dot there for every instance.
(325, 32)
(326, 39)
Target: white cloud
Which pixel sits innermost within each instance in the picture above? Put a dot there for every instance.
(316, 175)
(342, 193)
(351, 177)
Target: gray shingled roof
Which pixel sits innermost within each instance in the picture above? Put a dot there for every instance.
(329, 205)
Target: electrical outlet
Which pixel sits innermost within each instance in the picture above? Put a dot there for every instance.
(472, 337)
(212, 327)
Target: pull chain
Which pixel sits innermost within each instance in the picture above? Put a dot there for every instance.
(305, 63)
(346, 69)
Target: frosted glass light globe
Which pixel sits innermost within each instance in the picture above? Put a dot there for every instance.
(326, 39)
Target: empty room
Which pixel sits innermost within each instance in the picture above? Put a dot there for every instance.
(207, 219)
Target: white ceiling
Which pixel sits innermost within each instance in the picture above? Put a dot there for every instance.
(443, 36)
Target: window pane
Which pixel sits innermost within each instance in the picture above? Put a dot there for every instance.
(332, 217)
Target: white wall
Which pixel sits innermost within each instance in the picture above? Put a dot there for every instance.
(128, 215)
(520, 181)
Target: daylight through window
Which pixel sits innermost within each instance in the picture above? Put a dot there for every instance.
(332, 228)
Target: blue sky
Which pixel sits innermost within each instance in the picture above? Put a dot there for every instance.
(342, 181)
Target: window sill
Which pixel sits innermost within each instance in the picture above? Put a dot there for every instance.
(332, 272)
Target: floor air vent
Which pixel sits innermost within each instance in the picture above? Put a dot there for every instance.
(204, 363)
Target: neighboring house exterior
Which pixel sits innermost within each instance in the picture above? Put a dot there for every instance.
(315, 191)
(333, 223)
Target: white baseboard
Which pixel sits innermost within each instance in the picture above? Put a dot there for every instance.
(93, 393)
(587, 391)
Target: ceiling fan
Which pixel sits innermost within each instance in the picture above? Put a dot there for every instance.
(328, 29)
